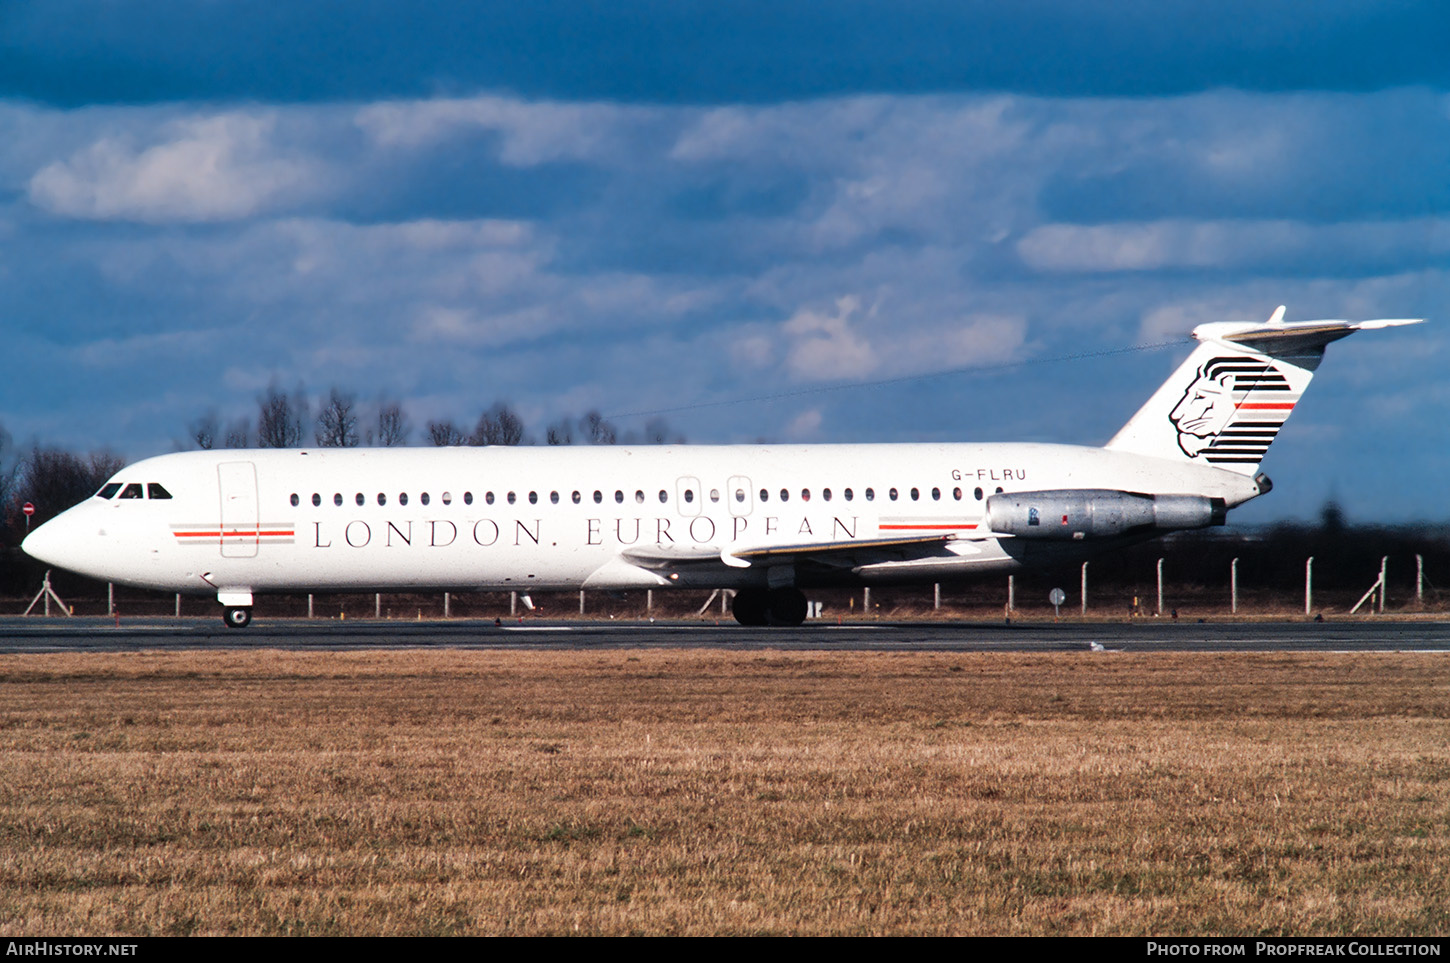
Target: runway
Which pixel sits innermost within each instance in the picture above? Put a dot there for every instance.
(22, 635)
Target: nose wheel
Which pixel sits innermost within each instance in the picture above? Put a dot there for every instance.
(237, 618)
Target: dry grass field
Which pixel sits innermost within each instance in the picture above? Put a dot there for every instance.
(689, 793)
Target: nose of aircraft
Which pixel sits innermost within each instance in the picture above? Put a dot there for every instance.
(54, 543)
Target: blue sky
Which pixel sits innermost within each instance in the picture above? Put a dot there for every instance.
(659, 206)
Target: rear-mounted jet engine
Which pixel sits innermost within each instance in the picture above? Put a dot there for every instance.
(1076, 514)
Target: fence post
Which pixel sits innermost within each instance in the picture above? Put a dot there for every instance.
(1384, 586)
(378, 605)
(1011, 593)
(1309, 585)
(446, 607)
(1419, 580)
(581, 601)
(1233, 583)
(936, 596)
(309, 605)
(1160, 587)
(1084, 588)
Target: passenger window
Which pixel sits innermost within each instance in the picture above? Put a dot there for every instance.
(805, 494)
(664, 496)
(714, 494)
(764, 495)
(360, 499)
(826, 494)
(785, 494)
(936, 494)
(423, 498)
(598, 496)
(109, 490)
(488, 498)
(447, 498)
(402, 498)
(295, 500)
(848, 494)
(639, 498)
(978, 494)
(870, 494)
(154, 490)
(554, 497)
(739, 495)
(512, 498)
(533, 498)
(957, 494)
(337, 499)
(133, 490)
(316, 500)
(891, 494)
(382, 499)
(468, 498)
(576, 498)
(689, 496)
(618, 497)
(915, 495)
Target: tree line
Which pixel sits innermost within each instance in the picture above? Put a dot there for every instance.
(285, 420)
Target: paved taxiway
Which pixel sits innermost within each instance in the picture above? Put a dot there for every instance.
(102, 635)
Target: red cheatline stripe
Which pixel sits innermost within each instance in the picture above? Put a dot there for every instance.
(1274, 407)
(248, 532)
(895, 528)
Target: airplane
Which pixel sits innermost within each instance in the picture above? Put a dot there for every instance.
(767, 521)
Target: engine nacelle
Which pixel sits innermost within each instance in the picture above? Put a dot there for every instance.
(1080, 513)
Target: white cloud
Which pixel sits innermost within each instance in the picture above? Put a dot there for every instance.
(805, 426)
(533, 132)
(825, 346)
(1242, 244)
(214, 168)
(848, 343)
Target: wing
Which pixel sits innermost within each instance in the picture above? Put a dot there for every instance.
(836, 555)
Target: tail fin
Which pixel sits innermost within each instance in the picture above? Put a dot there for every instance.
(1225, 405)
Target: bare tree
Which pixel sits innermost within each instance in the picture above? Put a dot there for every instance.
(560, 432)
(205, 431)
(337, 421)
(281, 420)
(239, 434)
(9, 473)
(498, 426)
(657, 432)
(443, 433)
(597, 430)
(393, 428)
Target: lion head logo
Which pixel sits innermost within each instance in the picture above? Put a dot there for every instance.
(1212, 401)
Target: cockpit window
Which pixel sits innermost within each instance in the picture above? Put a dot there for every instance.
(109, 490)
(154, 490)
(132, 490)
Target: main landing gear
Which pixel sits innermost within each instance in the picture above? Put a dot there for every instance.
(782, 606)
(237, 617)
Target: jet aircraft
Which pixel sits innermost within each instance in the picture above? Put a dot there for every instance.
(767, 521)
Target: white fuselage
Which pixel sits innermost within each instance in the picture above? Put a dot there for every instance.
(557, 518)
